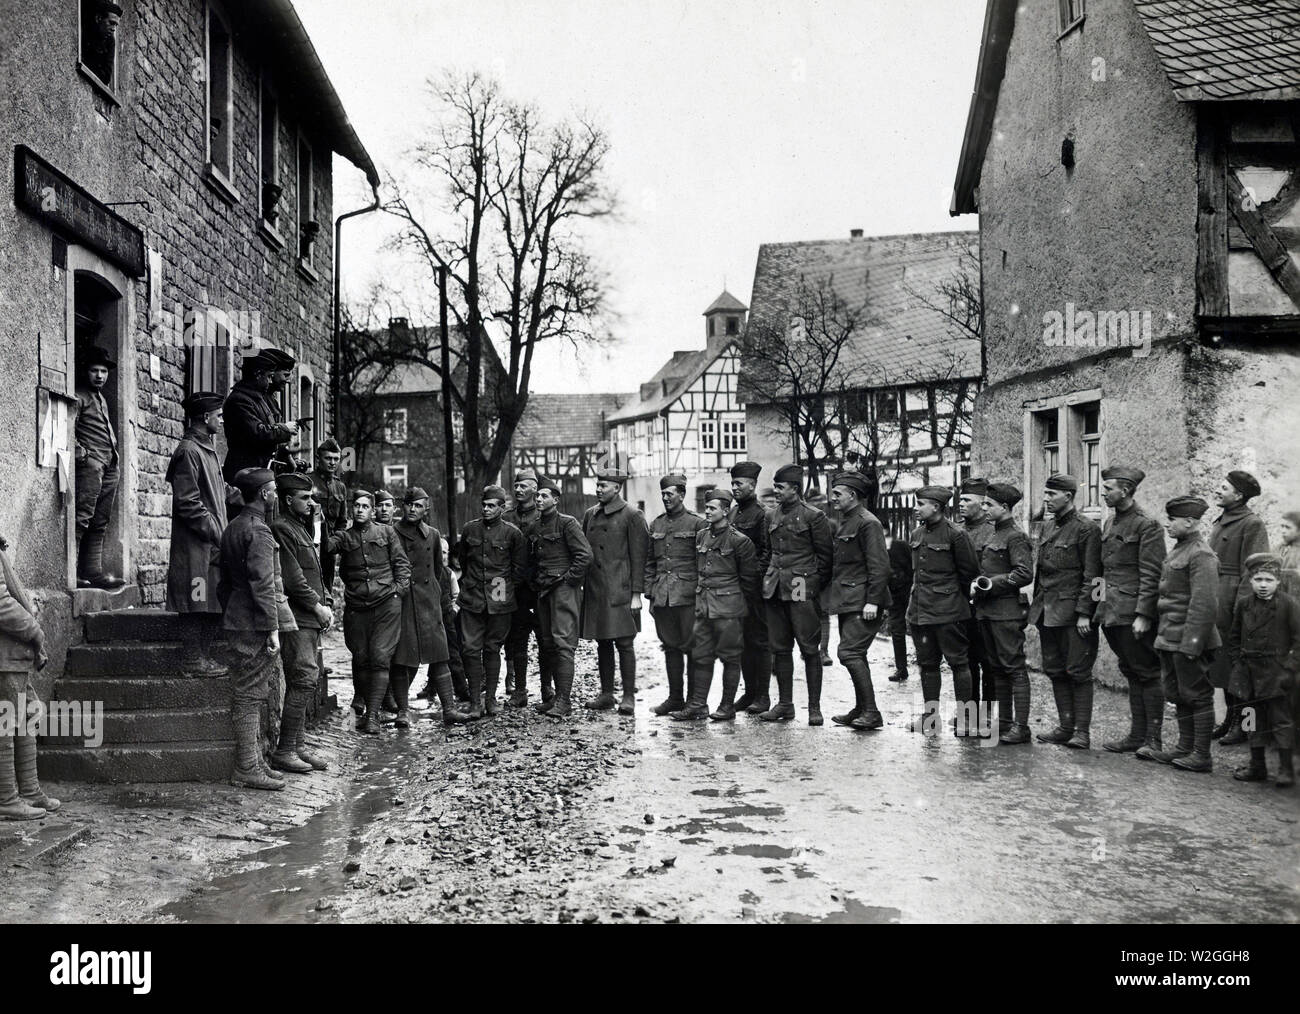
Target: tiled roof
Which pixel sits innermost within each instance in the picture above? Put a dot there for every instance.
(414, 378)
(566, 420)
(905, 341)
(726, 302)
(667, 385)
(1226, 49)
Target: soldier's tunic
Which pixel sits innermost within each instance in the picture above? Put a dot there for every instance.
(728, 585)
(802, 557)
(670, 581)
(523, 621)
(1264, 643)
(97, 462)
(1007, 560)
(376, 577)
(982, 679)
(427, 605)
(200, 502)
(331, 495)
(617, 533)
(750, 520)
(253, 429)
(1069, 564)
(859, 577)
(493, 560)
(559, 556)
(943, 567)
(1237, 534)
(301, 574)
(1187, 607)
(1132, 556)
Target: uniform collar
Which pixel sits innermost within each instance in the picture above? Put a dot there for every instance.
(615, 505)
(1234, 514)
(1007, 522)
(202, 439)
(419, 526)
(1061, 519)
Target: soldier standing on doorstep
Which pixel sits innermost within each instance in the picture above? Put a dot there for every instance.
(749, 518)
(385, 507)
(859, 592)
(560, 558)
(1069, 564)
(254, 432)
(22, 652)
(1237, 533)
(201, 503)
(331, 496)
(426, 610)
(670, 580)
(900, 591)
(943, 567)
(97, 473)
(524, 622)
(376, 577)
(611, 597)
(729, 585)
(1187, 635)
(493, 558)
(978, 527)
(300, 571)
(252, 596)
(798, 569)
(1132, 555)
(1006, 566)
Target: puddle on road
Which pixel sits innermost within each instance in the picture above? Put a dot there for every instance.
(853, 913)
(757, 851)
(745, 810)
(284, 883)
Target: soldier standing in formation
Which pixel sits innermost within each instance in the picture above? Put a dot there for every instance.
(750, 519)
(859, 592)
(1132, 555)
(97, 473)
(611, 597)
(975, 522)
(1187, 607)
(1238, 533)
(376, 577)
(254, 433)
(255, 611)
(201, 500)
(1069, 564)
(900, 592)
(670, 580)
(799, 567)
(561, 557)
(728, 586)
(493, 557)
(331, 496)
(385, 507)
(426, 609)
(301, 575)
(524, 623)
(1006, 563)
(944, 566)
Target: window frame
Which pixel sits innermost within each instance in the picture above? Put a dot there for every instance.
(709, 435)
(222, 174)
(268, 97)
(107, 88)
(1068, 18)
(391, 415)
(390, 474)
(734, 433)
(307, 262)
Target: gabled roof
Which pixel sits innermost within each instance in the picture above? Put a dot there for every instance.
(1210, 50)
(303, 81)
(416, 378)
(672, 380)
(1217, 50)
(726, 302)
(566, 420)
(906, 341)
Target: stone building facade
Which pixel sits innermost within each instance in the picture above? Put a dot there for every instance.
(209, 128)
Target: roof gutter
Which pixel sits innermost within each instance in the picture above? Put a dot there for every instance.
(336, 353)
(999, 22)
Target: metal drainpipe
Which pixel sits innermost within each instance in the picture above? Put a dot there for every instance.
(336, 357)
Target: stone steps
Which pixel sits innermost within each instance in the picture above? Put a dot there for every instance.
(135, 625)
(171, 725)
(129, 694)
(127, 660)
(203, 761)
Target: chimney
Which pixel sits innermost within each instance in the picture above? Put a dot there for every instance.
(855, 234)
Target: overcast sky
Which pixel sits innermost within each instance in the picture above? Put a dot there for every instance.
(732, 124)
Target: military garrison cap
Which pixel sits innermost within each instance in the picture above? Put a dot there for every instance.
(527, 473)
(1063, 483)
(746, 470)
(1124, 472)
(791, 474)
(545, 482)
(975, 487)
(939, 494)
(415, 493)
(95, 356)
(1004, 493)
(357, 494)
(201, 403)
(329, 446)
(382, 495)
(292, 482)
(1186, 507)
(672, 479)
(855, 481)
(495, 493)
(611, 475)
(1244, 483)
(720, 494)
(249, 480)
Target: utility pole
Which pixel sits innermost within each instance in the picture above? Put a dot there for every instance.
(449, 443)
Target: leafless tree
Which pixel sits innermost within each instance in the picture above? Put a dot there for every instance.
(512, 196)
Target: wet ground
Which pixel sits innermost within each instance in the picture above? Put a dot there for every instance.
(521, 818)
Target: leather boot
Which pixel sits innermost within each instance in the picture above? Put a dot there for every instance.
(627, 674)
(1236, 735)
(474, 677)
(451, 712)
(783, 710)
(1186, 733)
(869, 716)
(1256, 770)
(604, 701)
(546, 674)
(510, 674)
(813, 673)
(697, 705)
(491, 679)
(248, 771)
(1229, 719)
(29, 788)
(1082, 693)
(1064, 694)
(763, 686)
(927, 720)
(1153, 706)
(93, 544)
(286, 756)
(399, 685)
(674, 663)
(1285, 770)
(750, 683)
(1137, 726)
(561, 707)
(1017, 734)
(376, 688)
(317, 762)
(1202, 726)
(727, 707)
(900, 659)
(390, 702)
(358, 692)
(966, 722)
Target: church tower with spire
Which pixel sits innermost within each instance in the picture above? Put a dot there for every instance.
(726, 316)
